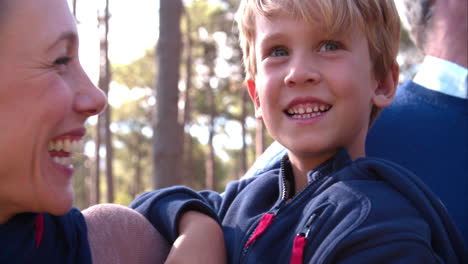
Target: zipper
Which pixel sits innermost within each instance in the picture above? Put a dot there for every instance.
(284, 179)
(268, 217)
(300, 241)
(263, 224)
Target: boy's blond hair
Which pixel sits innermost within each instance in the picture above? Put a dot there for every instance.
(377, 18)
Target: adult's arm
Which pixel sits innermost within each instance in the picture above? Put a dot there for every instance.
(118, 234)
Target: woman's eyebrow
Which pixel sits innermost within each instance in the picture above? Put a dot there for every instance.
(70, 36)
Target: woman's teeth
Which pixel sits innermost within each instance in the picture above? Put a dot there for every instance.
(65, 161)
(61, 150)
(66, 145)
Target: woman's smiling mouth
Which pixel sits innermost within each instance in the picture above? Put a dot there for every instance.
(61, 149)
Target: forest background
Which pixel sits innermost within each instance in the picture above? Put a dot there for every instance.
(178, 112)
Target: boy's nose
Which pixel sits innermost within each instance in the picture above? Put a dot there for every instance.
(89, 100)
(302, 73)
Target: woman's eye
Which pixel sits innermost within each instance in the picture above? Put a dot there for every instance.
(330, 46)
(62, 61)
(277, 52)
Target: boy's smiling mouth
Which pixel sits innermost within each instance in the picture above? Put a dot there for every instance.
(306, 110)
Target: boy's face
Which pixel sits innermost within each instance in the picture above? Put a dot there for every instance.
(315, 93)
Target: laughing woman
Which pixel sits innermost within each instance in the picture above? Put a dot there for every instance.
(45, 99)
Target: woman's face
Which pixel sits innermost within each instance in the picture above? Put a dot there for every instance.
(45, 98)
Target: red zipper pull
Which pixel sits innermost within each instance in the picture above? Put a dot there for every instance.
(39, 226)
(298, 249)
(262, 226)
(300, 241)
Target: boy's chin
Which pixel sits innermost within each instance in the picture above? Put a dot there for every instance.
(310, 156)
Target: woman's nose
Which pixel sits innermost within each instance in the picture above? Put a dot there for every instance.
(89, 100)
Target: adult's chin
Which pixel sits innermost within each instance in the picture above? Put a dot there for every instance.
(65, 203)
(59, 203)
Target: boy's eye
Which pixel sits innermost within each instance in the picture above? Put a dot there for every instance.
(278, 51)
(62, 61)
(329, 46)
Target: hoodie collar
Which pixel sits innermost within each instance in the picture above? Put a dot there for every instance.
(340, 160)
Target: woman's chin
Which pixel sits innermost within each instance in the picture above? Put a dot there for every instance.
(61, 204)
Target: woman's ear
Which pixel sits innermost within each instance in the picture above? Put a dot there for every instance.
(383, 95)
(254, 96)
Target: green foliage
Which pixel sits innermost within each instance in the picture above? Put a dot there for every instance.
(203, 14)
(132, 149)
(206, 20)
(139, 73)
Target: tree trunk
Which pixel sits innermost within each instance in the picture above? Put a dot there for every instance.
(137, 183)
(210, 159)
(104, 80)
(109, 157)
(167, 147)
(74, 8)
(188, 174)
(210, 166)
(95, 192)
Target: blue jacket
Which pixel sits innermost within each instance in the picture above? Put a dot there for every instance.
(367, 211)
(427, 132)
(31, 238)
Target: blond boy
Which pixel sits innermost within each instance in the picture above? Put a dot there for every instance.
(318, 72)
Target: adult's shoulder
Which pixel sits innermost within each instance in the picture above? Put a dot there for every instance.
(413, 95)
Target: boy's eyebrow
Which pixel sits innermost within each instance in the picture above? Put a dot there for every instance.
(70, 36)
(272, 37)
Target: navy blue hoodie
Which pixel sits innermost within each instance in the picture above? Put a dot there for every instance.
(366, 211)
(31, 238)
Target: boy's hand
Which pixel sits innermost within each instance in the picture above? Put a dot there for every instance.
(200, 240)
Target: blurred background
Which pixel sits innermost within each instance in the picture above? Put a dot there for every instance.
(178, 112)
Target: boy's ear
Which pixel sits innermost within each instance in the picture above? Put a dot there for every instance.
(383, 95)
(253, 95)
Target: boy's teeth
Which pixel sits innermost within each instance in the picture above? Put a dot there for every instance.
(307, 110)
(301, 109)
